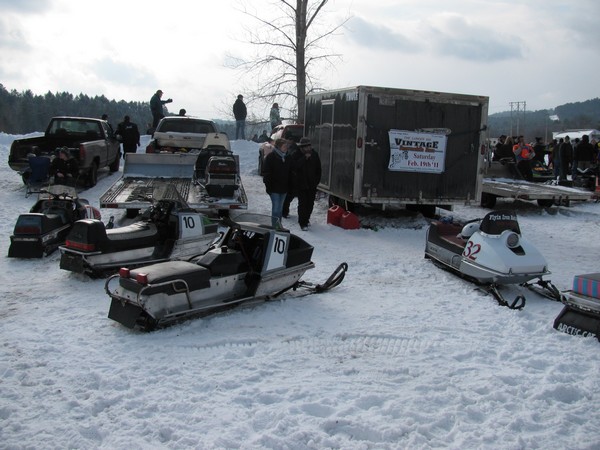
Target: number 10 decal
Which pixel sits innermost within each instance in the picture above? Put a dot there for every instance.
(277, 254)
(188, 222)
(279, 245)
(471, 250)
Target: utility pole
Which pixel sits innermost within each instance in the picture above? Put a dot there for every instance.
(516, 110)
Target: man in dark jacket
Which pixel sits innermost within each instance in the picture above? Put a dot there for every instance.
(565, 152)
(240, 112)
(156, 107)
(307, 166)
(276, 176)
(584, 155)
(64, 168)
(130, 135)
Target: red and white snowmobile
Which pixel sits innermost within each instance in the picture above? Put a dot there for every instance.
(490, 252)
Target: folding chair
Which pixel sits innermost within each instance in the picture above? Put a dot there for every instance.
(38, 173)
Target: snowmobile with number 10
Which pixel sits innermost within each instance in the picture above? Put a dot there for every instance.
(250, 262)
(490, 252)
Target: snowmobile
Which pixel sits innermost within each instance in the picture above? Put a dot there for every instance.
(507, 168)
(49, 221)
(169, 229)
(490, 252)
(251, 262)
(581, 314)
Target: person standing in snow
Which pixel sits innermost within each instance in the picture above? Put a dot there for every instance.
(584, 155)
(307, 166)
(130, 135)
(240, 112)
(274, 116)
(276, 176)
(156, 107)
(565, 152)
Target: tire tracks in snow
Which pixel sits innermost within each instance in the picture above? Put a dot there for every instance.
(336, 346)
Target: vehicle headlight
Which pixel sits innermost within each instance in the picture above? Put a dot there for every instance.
(512, 240)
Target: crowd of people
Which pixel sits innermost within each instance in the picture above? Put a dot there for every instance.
(562, 155)
(291, 170)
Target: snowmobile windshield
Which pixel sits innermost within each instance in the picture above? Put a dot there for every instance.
(498, 221)
(60, 189)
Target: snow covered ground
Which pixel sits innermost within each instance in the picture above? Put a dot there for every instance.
(401, 355)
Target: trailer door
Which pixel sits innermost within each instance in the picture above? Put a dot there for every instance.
(326, 141)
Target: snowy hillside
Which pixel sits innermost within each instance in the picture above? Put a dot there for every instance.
(401, 355)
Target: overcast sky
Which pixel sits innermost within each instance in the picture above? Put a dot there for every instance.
(542, 52)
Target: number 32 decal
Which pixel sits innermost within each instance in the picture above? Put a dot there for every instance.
(471, 250)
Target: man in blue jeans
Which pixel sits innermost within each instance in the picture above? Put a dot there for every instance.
(276, 176)
(240, 112)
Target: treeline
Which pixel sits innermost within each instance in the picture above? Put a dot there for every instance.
(24, 112)
(541, 123)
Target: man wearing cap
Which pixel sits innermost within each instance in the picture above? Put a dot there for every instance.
(307, 166)
(156, 107)
(240, 112)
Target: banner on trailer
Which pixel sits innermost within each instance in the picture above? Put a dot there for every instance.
(412, 151)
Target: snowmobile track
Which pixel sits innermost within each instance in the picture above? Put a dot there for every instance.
(334, 346)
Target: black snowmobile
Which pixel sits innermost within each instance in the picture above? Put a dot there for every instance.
(581, 313)
(46, 225)
(167, 230)
(250, 262)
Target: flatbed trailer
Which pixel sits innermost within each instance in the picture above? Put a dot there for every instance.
(144, 172)
(545, 194)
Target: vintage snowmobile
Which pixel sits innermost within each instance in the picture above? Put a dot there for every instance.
(169, 229)
(251, 262)
(490, 252)
(49, 221)
(581, 314)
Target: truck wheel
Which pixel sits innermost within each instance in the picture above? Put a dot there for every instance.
(545, 203)
(115, 164)
(93, 175)
(488, 200)
(131, 213)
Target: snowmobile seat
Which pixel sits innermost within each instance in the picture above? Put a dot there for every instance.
(58, 215)
(196, 277)
(448, 235)
(223, 262)
(136, 235)
(588, 284)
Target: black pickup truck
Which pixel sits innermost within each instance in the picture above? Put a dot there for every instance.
(91, 141)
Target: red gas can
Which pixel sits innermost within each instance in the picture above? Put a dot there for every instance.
(334, 214)
(349, 221)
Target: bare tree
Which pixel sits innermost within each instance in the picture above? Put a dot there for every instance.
(289, 44)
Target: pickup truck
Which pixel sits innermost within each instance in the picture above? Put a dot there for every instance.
(207, 178)
(180, 134)
(91, 141)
